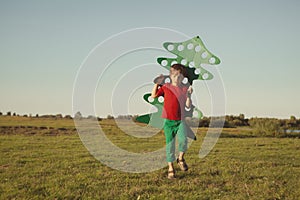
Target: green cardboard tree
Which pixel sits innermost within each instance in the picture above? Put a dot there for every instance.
(192, 54)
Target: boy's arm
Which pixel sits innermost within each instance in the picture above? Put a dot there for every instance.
(154, 91)
(188, 101)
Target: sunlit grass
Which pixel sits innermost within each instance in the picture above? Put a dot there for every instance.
(59, 167)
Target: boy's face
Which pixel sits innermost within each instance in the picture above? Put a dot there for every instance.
(176, 76)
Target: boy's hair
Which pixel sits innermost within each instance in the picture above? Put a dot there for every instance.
(180, 68)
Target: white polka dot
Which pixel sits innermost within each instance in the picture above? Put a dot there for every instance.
(183, 62)
(174, 62)
(180, 47)
(197, 48)
(164, 63)
(170, 47)
(212, 60)
(150, 99)
(192, 64)
(187, 109)
(168, 80)
(185, 80)
(195, 114)
(197, 71)
(190, 46)
(161, 99)
(204, 55)
(205, 76)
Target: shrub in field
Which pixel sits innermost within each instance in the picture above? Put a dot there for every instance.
(204, 122)
(78, 115)
(68, 117)
(192, 122)
(230, 121)
(48, 116)
(128, 117)
(219, 122)
(58, 116)
(234, 121)
(292, 123)
(266, 127)
(91, 117)
(110, 117)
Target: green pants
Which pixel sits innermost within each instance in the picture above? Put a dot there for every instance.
(174, 128)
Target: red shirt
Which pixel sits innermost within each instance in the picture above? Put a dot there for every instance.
(174, 101)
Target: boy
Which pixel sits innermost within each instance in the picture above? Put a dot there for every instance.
(176, 98)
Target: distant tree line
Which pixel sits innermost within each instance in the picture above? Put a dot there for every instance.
(56, 116)
(231, 121)
(259, 125)
(228, 121)
(79, 116)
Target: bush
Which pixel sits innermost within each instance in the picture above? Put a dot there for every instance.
(204, 122)
(266, 127)
(48, 116)
(91, 117)
(78, 115)
(219, 122)
(110, 117)
(68, 117)
(58, 116)
(192, 122)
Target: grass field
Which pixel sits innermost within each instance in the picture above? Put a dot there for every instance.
(39, 165)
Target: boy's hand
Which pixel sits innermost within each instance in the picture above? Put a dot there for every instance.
(159, 80)
(189, 91)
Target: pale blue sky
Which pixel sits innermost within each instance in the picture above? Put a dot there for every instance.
(43, 43)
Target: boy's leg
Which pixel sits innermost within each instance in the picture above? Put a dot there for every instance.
(182, 145)
(170, 140)
(180, 156)
(182, 139)
(171, 171)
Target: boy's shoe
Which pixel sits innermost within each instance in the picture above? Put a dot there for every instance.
(182, 164)
(171, 174)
